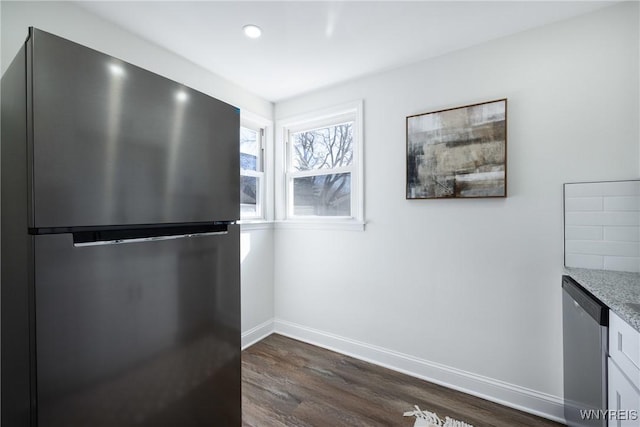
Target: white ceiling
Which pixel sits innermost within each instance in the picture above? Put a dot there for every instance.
(308, 45)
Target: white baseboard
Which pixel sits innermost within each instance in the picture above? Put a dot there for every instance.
(511, 395)
(256, 334)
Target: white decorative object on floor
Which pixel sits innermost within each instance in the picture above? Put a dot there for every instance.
(430, 419)
(424, 418)
(450, 422)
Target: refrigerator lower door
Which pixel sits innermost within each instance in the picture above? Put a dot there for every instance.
(138, 334)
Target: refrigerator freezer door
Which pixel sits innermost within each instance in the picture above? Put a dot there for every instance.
(114, 144)
(138, 334)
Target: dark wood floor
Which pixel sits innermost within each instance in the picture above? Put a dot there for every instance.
(289, 383)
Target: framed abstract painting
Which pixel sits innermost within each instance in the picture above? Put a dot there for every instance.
(458, 152)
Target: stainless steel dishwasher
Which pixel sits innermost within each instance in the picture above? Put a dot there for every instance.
(585, 322)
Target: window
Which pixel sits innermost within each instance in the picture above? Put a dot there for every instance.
(321, 168)
(323, 179)
(251, 171)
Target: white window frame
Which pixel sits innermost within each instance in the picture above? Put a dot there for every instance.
(264, 207)
(352, 111)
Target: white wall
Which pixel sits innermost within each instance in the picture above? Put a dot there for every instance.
(72, 22)
(467, 292)
(257, 283)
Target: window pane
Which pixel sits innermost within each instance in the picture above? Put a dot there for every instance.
(323, 148)
(249, 149)
(323, 195)
(248, 195)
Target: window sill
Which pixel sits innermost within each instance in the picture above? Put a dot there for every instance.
(255, 224)
(342, 225)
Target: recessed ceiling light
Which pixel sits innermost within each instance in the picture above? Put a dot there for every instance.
(252, 31)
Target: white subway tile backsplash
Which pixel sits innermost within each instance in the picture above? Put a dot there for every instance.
(573, 204)
(630, 249)
(621, 234)
(602, 218)
(621, 188)
(584, 261)
(622, 203)
(591, 189)
(584, 233)
(631, 264)
(602, 225)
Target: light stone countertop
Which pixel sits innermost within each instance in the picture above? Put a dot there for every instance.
(617, 290)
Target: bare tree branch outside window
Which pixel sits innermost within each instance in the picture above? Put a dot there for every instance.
(317, 149)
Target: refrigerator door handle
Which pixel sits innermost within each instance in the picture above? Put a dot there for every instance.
(147, 239)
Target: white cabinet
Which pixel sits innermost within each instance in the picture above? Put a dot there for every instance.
(624, 399)
(624, 347)
(623, 374)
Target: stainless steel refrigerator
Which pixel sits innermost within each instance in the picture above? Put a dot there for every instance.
(120, 252)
